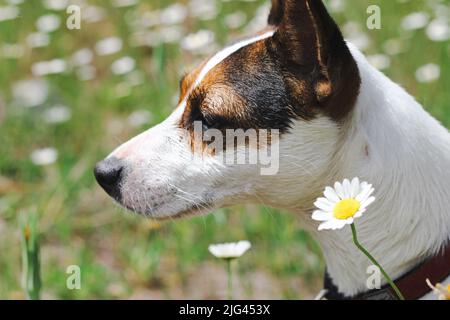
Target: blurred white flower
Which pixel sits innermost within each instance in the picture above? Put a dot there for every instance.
(12, 51)
(441, 10)
(394, 46)
(123, 65)
(229, 250)
(43, 68)
(235, 20)
(57, 114)
(55, 4)
(337, 5)
(149, 19)
(43, 157)
(415, 20)
(92, 14)
(124, 3)
(173, 14)
(8, 13)
(135, 78)
(82, 57)
(48, 23)
(108, 46)
(38, 40)
(86, 72)
(15, 2)
(353, 33)
(260, 19)
(170, 34)
(139, 118)
(122, 89)
(149, 38)
(198, 42)
(428, 73)
(30, 93)
(438, 30)
(203, 10)
(379, 61)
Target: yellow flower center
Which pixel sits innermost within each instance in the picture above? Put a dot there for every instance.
(346, 208)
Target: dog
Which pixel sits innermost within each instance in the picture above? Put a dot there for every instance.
(337, 117)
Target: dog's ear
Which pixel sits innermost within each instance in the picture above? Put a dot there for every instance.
(276, 13)
(313, 48)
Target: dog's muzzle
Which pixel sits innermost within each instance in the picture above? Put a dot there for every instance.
(109, 174)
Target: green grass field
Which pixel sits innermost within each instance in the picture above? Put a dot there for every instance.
(85, 108)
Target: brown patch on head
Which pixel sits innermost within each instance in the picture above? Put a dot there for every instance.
(188, 80)
(304, 70)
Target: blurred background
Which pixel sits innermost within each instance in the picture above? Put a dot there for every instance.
(69, 97)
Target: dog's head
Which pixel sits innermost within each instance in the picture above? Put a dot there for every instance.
(275, 101)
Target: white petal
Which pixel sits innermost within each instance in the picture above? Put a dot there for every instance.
(339, 224)
(363, 185)
(354, 187)
(333, 224)
(328, 225)
(339, 190)
(321, 215)
(347, 188)
(331, 194)
(359, 213)
(324, 204)
(365, 193)
(368, 202)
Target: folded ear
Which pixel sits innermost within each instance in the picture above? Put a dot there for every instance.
(276, 13)
(312, 46)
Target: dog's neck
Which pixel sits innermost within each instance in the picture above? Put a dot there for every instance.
(391, 142)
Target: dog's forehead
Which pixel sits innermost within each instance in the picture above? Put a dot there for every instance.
(194, 79)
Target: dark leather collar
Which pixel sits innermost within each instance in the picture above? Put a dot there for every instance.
(412, 285)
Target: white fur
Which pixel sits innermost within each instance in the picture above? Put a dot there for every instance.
(408, 163)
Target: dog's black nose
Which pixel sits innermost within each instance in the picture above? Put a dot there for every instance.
(108, 174)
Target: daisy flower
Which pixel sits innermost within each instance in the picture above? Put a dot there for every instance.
(229, 250)
(443, 292)
(342, 204)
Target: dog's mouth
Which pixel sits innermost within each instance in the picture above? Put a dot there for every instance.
(158, 213)
(194, 210)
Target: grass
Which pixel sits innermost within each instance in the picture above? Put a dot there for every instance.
(122, 255)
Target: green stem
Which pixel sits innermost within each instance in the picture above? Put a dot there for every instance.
(230, 280)
(368, 255)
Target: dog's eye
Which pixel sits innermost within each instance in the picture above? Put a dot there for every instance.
(211, 121)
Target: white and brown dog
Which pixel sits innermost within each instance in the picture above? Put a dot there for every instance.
(338, 117)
